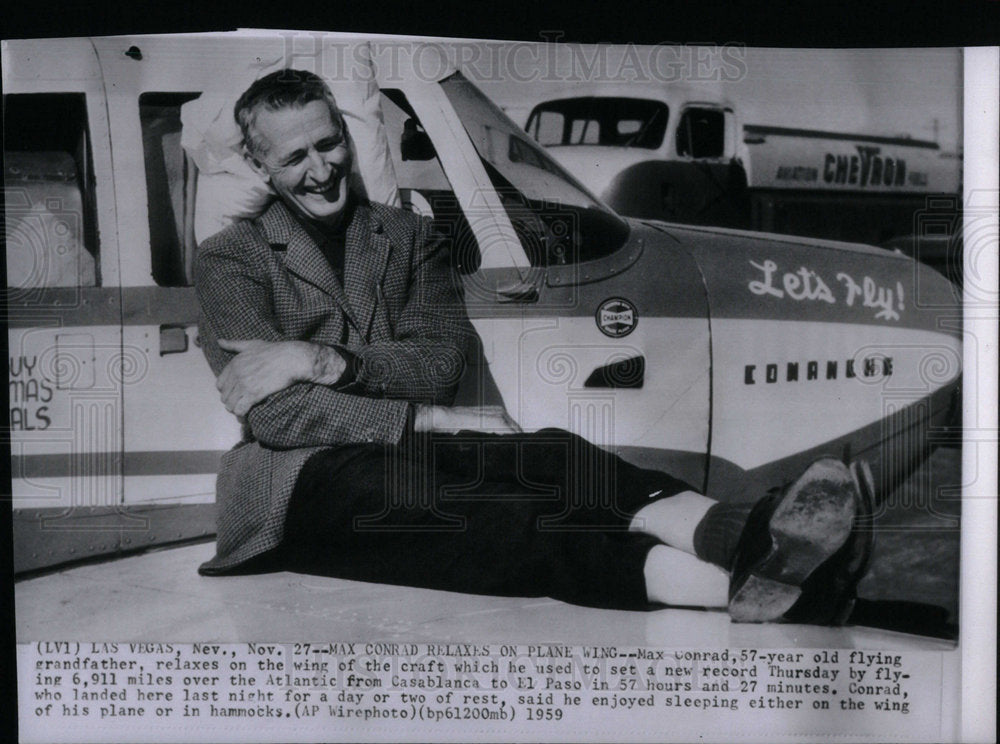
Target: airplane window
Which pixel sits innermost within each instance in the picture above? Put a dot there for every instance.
(49, 230)
(701, 133)
(423, 186)
(170, 183)
(556, 218)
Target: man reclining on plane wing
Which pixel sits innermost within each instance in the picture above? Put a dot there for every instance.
(337, 333)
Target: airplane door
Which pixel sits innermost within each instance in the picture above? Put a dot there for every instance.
(619, 357)
(605, 331)
(175, 427)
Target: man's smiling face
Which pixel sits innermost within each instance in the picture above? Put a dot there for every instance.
(303, 152)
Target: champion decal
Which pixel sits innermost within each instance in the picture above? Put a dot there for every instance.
(616, 317)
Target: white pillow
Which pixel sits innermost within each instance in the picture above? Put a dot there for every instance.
(227, 187)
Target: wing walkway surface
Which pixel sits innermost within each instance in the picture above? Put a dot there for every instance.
(158, 596)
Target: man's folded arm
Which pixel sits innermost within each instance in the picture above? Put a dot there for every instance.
(305, 415)
(235, 306)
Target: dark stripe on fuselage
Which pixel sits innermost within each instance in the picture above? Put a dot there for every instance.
(729, 483)
(62, 307)
(664, 282)
(65, 307)
(103, 464)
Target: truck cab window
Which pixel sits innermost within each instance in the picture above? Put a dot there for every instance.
(547, 128)
(585, 132)
(170, 188)
(50, 233)
(701, 133)
(598, 120)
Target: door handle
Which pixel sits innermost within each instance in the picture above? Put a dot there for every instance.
(173, 339)
(520, 294)
(627, 373)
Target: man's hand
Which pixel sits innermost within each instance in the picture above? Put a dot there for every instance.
(488, 419)
(261, 368)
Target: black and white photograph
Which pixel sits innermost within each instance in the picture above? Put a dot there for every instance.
(372, 387)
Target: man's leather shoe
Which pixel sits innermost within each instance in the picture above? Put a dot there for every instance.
(790, 534)
(829, 594)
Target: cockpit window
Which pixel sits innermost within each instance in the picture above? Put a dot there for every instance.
(170, 185)
(610, 122)
(557, 220)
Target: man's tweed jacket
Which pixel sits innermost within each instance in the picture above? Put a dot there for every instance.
(268, 279)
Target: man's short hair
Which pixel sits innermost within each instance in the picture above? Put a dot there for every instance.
(278, 90)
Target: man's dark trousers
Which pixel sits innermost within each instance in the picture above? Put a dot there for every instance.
(541, 514)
